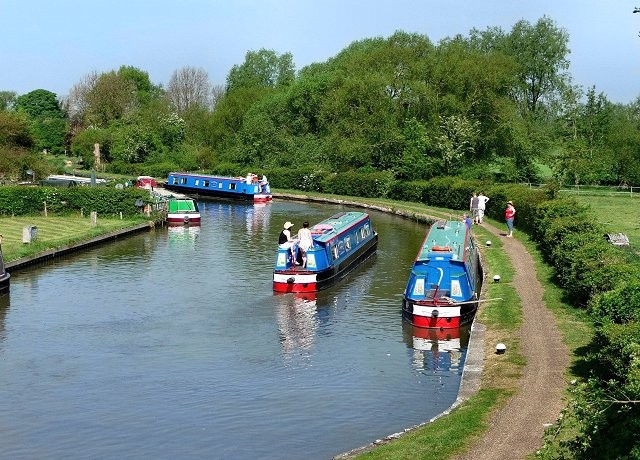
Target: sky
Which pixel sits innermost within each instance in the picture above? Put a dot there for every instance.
(53, 44)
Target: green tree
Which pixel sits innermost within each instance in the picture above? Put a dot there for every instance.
(263, 68)
(541, 51)
(7, 100)
(47, 121)
(109, 99)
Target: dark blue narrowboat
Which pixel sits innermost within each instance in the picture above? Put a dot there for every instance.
(246, 188)
(443, 286)
(339, 244)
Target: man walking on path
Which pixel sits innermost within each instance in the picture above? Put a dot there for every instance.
(516, 430)
(473, 207)
(482, 205)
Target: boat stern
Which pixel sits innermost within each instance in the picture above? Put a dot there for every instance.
(432, 315)
(295, 281)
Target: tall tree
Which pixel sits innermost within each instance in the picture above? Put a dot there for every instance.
(47, 120)
(263, 68)
(189, 88)
(7, 100)
(110, 98)
(541, 51)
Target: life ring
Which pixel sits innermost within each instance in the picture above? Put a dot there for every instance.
(441, 248)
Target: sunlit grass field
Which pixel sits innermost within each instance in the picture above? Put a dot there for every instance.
(53, 232)
(618, 213)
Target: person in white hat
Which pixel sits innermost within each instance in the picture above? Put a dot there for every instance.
(286, 242)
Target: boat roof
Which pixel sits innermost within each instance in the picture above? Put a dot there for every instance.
(443, 237)
(336, 224)
(210, 176)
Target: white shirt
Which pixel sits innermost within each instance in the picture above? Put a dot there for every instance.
(306, 240)
(482, 201)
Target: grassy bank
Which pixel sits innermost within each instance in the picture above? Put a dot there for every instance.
(54, 232)
(453, 433)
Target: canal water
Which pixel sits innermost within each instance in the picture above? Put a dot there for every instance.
(171, 344)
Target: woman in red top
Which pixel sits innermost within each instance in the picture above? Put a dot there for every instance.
(509, 214)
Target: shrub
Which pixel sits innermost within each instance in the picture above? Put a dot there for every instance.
(621, 305)
(597, 267)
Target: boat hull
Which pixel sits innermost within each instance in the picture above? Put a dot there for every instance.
(183, 219)
(300, 280)
(430, 315)
(5, 282)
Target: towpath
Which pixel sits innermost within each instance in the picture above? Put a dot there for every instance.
(517, 429)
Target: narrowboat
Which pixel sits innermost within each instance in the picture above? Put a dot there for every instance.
(246, 188)
(442, 291)
(340, 243)
(182, 211)
(5, 277)
(146, 182)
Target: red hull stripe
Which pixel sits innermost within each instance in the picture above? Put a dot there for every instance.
(294, 287)
(427, 321)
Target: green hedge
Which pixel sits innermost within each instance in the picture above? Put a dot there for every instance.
(20, 201)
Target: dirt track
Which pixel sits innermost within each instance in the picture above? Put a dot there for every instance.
(516, 430)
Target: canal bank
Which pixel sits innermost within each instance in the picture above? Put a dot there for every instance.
(50, 254)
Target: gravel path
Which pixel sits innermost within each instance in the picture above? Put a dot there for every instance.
(516, 431)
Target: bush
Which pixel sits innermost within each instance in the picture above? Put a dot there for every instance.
(621, 305)
(548, 211)
(597, 267)
(104, 200)
(354, 183)
(560, 228)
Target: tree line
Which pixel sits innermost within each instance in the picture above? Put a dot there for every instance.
(492, 104)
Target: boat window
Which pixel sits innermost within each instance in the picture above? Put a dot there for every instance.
(183, 180)
(367, 229)
(197, 181)
(232, 186)
(362, 233)
(205, 183)
(347, 243)
(334, 250)
(175, 180)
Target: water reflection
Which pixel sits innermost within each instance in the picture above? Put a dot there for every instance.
(297, 322)
(258, 217)
(5, 302)
(183, 235)
(436, 349)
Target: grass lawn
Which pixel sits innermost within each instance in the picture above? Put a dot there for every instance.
(618, 213)
(54, 232)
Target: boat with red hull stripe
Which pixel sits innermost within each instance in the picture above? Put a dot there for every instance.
(244, 188)
(443, 286)
(340, 243)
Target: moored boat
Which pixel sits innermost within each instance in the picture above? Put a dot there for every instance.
(339, 244)
(5, 277)
(182, 211)
(442, 290)
(246, 188)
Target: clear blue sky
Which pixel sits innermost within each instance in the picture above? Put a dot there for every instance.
(52, 44)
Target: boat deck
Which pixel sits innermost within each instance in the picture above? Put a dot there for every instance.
(443, 237)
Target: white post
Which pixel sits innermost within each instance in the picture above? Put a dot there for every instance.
(94, 218)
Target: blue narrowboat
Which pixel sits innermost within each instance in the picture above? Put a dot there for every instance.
(339, 244)
(247, 188)
(442, 291)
